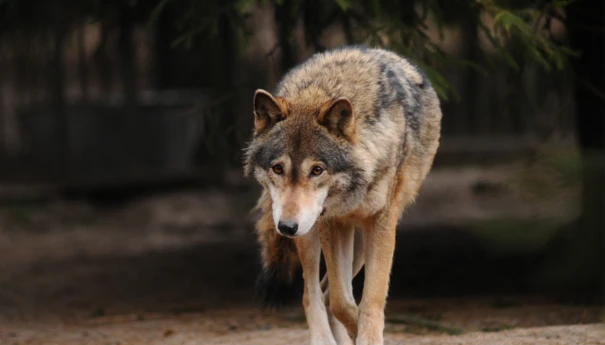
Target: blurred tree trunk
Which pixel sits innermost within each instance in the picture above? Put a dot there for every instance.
(347, 28)
(586, 22)
(285, 20)
(314, 23)
(82, 67)
(227, 85)
(57, 90)
(471, 52)
(101, 60)
(22, 69)
(127, 53)
(164, 64)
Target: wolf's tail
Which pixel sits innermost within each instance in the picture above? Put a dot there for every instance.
(280, 280)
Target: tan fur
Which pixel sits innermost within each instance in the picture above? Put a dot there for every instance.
(382, 119)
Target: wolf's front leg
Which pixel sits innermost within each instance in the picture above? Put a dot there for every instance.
(309, 252)
(380, 246)
(337, 241)
(337, 244)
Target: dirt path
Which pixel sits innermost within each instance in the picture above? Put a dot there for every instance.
(248, 328)
(180, 268)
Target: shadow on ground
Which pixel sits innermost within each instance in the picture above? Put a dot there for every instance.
(429, 262)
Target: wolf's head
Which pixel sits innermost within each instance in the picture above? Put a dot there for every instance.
(302, 155)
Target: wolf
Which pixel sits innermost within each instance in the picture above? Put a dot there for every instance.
(340, 148)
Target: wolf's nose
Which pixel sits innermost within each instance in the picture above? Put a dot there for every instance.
(287, 228)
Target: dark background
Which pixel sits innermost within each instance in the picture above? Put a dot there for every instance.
(122, 125)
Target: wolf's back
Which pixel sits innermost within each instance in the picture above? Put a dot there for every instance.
(374, 80)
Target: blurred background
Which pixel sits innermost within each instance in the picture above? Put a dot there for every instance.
(125, 218)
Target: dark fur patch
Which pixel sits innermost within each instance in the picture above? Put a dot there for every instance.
(336, 158)
(413, 112)
(280, 283)
(405, 143)
(378, 175)
(412, 108)
(272, 148)
(357, 181)
(274, 289)
(382, 98)
(425, 81)
(395, 85)
(391, 89)
(308, 141)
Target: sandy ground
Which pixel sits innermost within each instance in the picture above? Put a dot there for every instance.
(215, 329)
(179, 268)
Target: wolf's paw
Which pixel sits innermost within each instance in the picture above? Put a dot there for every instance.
(377, 340)
(371, 326)
(345, 341)
(325, 340)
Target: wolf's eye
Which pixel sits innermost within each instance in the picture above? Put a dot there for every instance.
(317, 170)
(278, 169)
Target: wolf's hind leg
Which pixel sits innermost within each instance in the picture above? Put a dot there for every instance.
(358, 261)
(340, 332)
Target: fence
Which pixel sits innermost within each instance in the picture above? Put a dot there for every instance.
(102, 103)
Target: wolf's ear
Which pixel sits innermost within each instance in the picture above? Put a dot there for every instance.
(337, 117)
(268, 110)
